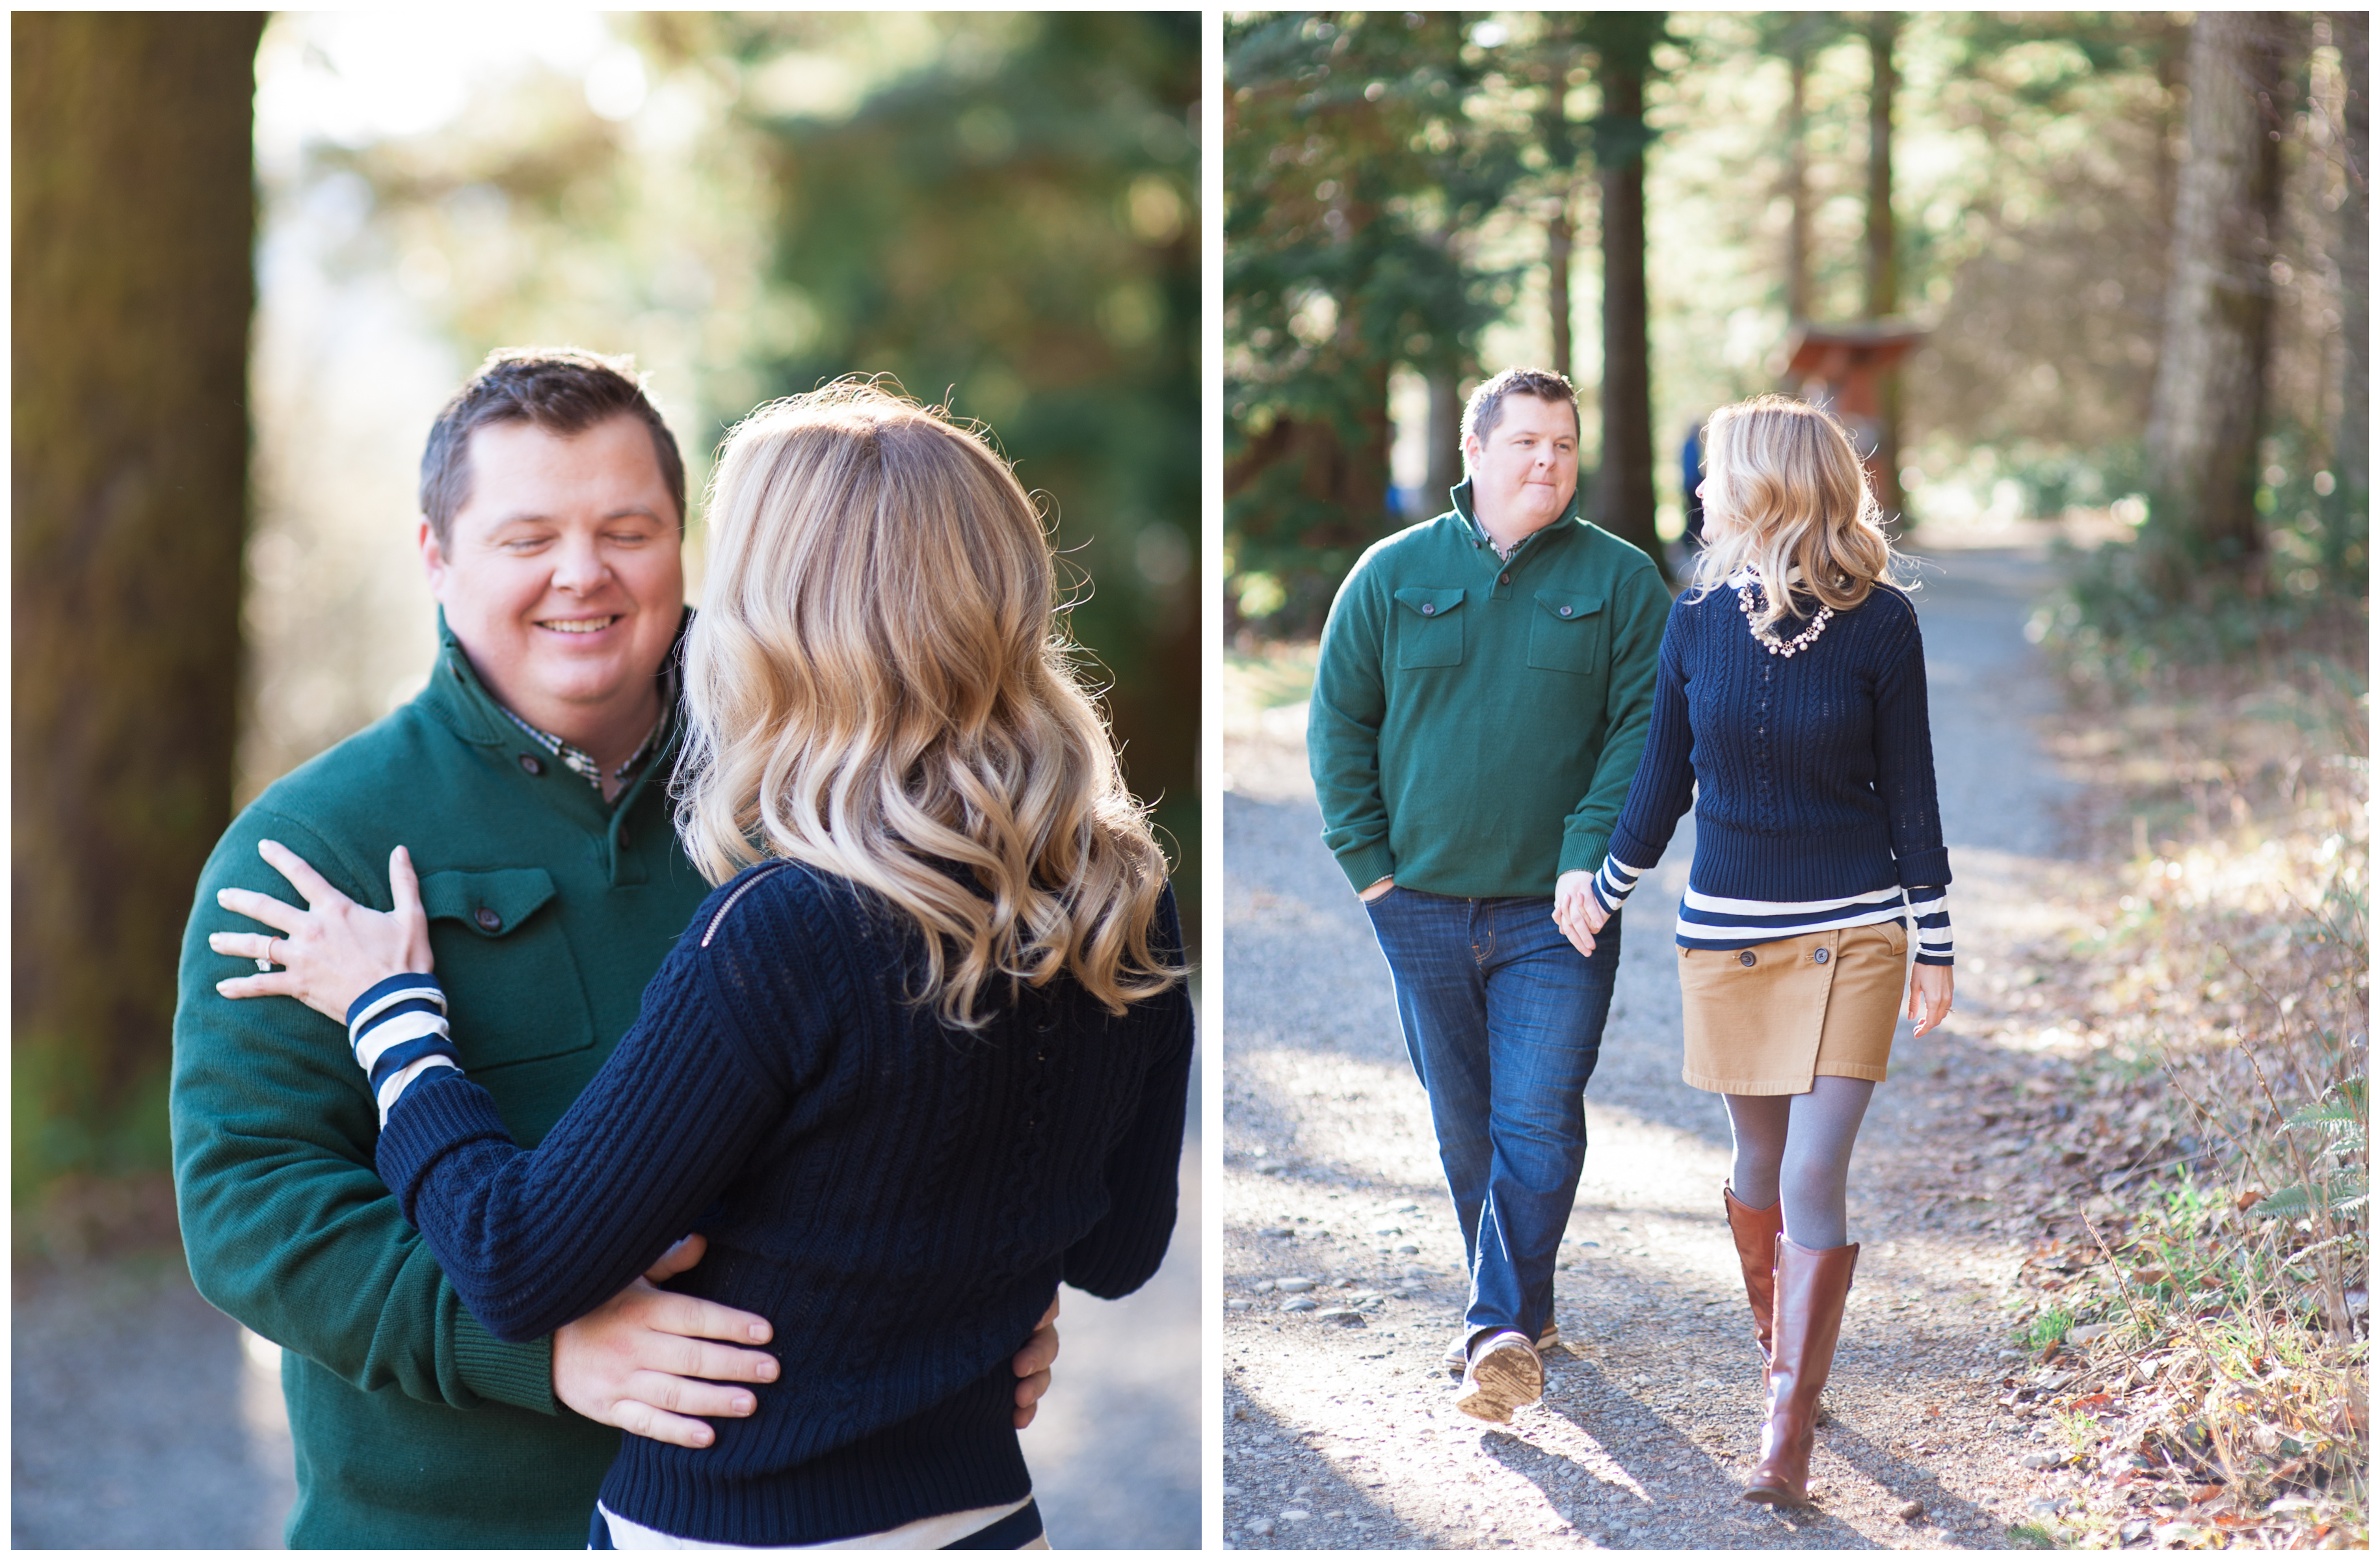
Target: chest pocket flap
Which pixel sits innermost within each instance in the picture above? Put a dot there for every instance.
(1430, 631)
(512, 983)
(1566, 634)
(491, 904)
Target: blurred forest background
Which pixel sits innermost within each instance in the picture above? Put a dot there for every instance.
(998, 208)
(2137, 300)
(254, 255)
(2127, 255)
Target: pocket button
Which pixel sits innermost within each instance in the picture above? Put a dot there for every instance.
(487, 919)
(1819, 956)
(1747, 957)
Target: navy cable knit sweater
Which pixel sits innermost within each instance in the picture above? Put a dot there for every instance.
(1811, 776)
(899, 1198)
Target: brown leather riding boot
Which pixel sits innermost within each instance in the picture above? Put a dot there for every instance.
(1811, 1287)
(1756, 1232)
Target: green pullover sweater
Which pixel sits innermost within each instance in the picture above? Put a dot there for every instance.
(1475, 721)
(549, 911)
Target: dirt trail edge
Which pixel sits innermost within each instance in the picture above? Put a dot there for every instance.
(1342, 1264)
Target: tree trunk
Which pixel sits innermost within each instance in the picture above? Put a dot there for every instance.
(1625, 484)
(1560, 234)
(1347, 483)
(1560, 140)
(133, 209)
(1445, 439)
(2347, 513)
(1883, 263)
(2206, 408)
(1797, 191)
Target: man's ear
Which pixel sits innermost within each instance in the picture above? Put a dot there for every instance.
(434, 558)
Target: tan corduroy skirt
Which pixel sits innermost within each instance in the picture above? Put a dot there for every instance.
(1766, 1020)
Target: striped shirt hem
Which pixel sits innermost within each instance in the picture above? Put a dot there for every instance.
(397, 1029)
(1717, 921)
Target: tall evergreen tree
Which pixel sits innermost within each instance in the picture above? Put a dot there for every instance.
(134, 210)
(2347, 513)
(1795, 37)
(1883, 259)
(2207, 408)
(1623, 43)
(1352, 167)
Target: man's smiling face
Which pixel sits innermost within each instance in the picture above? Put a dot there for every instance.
(559, 574)
(1523, 474)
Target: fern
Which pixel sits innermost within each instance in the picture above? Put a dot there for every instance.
(2340, 1120)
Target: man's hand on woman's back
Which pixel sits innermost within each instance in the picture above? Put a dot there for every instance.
(646, 1361)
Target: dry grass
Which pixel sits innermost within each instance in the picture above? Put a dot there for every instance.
(2198, 1324)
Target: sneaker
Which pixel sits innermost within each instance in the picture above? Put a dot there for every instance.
(1503, 1374)
(1456, 1361)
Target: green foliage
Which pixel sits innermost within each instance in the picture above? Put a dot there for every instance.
(1017, 220)
(2113, 607)
(2333, 1128)
(2048, 1327)
(1354, 166)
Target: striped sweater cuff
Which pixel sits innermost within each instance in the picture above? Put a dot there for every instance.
(1929, 912)
(1614, 882)
(398, 1030)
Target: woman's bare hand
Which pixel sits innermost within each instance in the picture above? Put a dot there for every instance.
(1929, 996)
(334, 950)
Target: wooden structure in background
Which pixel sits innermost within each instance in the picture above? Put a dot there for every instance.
(1843, 368)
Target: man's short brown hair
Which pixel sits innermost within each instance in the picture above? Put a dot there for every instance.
(1485, 408)
(559, 389)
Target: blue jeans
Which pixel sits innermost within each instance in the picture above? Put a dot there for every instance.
(1503, 1021)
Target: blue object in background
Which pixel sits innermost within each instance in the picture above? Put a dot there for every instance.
(1693, 475)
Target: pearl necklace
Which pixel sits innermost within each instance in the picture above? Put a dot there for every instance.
(1745, 590)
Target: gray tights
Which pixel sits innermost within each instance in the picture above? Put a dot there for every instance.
(1800, 1146)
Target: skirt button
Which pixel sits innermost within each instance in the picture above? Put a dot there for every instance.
(1747, 957)
(1819, 956)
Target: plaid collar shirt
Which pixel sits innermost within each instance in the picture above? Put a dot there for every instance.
(580, 762)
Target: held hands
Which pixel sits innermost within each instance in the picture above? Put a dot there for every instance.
(1576, 911)
(1929, 995)
(334, 950)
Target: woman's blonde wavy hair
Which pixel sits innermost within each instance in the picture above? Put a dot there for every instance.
(875, 686)
(1787, 484)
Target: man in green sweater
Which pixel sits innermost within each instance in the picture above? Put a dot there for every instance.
(530, 781)
(1482, 696)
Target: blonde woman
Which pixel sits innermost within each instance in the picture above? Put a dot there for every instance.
(921, 1056)
(1790, 712)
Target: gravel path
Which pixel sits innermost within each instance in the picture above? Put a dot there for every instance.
(145, 1418)
(1339, 1431)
